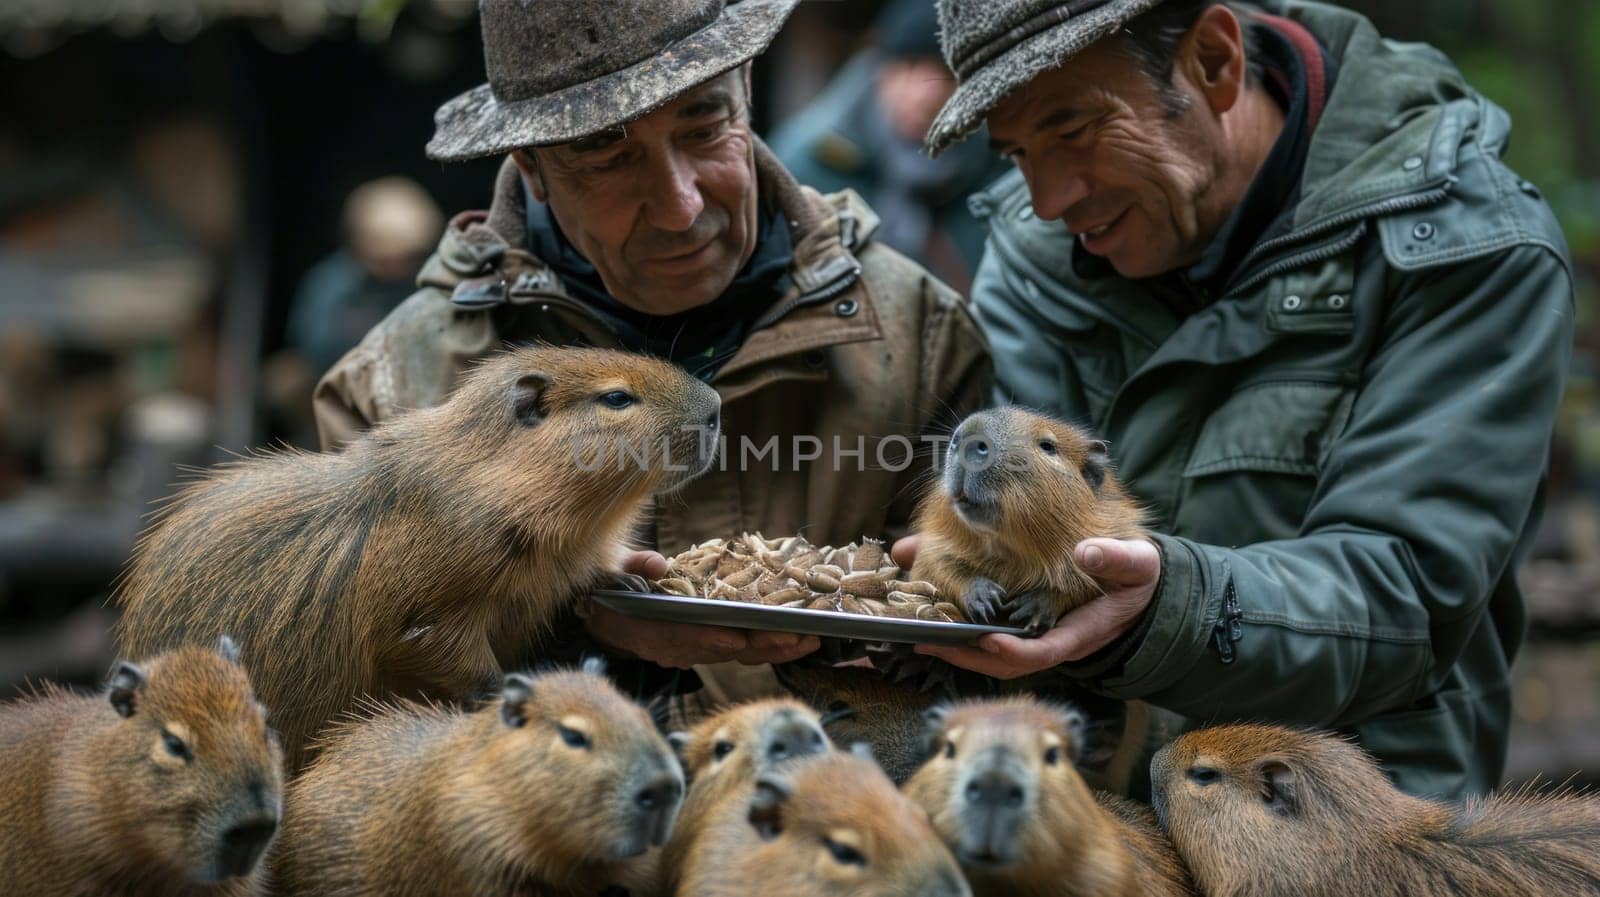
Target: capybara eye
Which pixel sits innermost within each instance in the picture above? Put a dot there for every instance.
(1203, 775)
(617, 399)
(844, 853)
(1052, 755)
(722, 749)
(1047, 446)
(176, 747)
(573, 737)
(950, 750)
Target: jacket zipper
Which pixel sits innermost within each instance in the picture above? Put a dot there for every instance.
(1229, 628)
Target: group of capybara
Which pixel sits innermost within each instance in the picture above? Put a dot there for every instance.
(323, 697)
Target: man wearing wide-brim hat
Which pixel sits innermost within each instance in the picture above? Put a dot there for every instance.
(636, 209)
(1277, 262)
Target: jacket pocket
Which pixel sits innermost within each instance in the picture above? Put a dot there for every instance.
(1284, 426)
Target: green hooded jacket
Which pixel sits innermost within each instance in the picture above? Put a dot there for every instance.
(1344, 452)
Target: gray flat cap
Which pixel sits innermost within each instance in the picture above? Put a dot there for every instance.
(563, 69)
(996, 46)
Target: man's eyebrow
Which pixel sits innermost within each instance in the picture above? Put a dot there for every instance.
(1055, 118)
(718, 99)
(598, 141)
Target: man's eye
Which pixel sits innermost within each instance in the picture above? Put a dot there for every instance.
(1075, 133)
(709, 132)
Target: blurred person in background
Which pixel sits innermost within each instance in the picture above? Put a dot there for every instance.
(864, 132)
(390, 226)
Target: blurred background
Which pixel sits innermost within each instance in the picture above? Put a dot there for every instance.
(203, 203)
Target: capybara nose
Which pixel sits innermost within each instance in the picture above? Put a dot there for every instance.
(663, 791)
(713, 420)
(995, 789)
(243, 844)
(794, 736)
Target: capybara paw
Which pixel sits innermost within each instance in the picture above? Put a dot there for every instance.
(982, 600)
(1034, 611)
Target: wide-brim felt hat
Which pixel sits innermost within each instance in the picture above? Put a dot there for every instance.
(559, 70)
(996, 46)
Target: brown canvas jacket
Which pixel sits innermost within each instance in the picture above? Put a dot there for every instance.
(865, 347)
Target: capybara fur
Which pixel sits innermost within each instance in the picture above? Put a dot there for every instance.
(1266, 811)
(165, 784)
(561, 786)
(431, 553)
(1001, 788)
(1018, 492)
(724, 754)
(824, 825)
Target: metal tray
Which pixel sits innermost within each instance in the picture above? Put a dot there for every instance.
(739, 615)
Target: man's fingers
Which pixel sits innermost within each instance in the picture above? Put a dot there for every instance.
(649, 564)
(1126, 562)
(1006, 656)
(1085, 630)
(904, 551)
(795, 650)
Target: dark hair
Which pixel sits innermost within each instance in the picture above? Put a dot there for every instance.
(1152, 37)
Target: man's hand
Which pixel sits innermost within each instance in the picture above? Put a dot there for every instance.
(683, 645)
(1127, 569)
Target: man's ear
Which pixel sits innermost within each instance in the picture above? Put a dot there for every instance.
(528, 164)
(1279, 789)
(766, 806)
(1212, 56)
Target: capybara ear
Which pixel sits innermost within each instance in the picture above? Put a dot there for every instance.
(125, 682)
(594, 665)
(1096, 461)
(766, 806)
(680, 745)
(1279, 789)
(527, 399)
(1072, 723)
(514, 695)
(228, 649)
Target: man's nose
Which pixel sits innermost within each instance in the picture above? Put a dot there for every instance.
(1055, 191)
(672, 200)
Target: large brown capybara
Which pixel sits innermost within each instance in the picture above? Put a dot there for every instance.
(431, 553)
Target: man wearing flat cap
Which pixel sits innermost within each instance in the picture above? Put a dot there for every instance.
(1277, 262)
(636, 209)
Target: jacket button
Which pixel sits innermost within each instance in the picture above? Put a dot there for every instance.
(1412, 164)
(1336, 302)
(1291, 303)
(846, 307)
(814, 359)
(1423, 231)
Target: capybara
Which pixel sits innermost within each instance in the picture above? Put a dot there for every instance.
(1001, 788)
(168, 782)
(723, 755)
(1264, 811)
(1018, 492)
(430, 554)
(830, 824)
(561, 786)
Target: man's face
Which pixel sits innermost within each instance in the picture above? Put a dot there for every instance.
(1102, 151)
(665, 206)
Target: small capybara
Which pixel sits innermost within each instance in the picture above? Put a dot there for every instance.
(1265, 811)
(1001, 788)
(1018, 492)
(829, 824)
(166, 783)
(723, 755)
(431, 553)
(561, 786)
